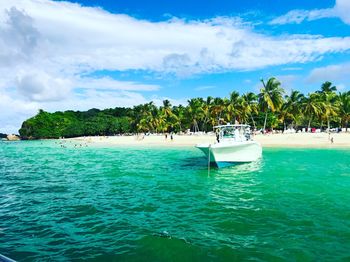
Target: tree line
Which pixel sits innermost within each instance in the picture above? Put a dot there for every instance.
(270, 109)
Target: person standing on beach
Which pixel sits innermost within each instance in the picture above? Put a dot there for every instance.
(171, 136)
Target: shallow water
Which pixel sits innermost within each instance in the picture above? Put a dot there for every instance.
(143, 204)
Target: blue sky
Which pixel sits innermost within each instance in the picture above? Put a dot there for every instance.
(203, 9)
(60, 55)
(257, 12)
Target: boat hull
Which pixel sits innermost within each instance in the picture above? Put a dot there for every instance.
(223, 154)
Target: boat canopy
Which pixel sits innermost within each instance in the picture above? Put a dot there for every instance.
(230, 125)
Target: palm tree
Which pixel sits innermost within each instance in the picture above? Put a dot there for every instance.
(234, 106)
(292, 106)
(166, 116)
(166, 108)
(217, 111)
(328, 101)
(148, 119)
(207, 107)
(327, 87)
(195, 111)
(311, 107)
(344, 108)
(251, 105)
(324, 105)
(180, 113)
(226, 114)
(270, 97)
(243, 109)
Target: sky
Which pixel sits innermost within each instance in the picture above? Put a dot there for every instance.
(77, 55)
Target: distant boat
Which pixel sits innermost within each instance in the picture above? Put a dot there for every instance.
(234, 145)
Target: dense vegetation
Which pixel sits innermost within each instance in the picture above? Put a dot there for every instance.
(270, 109)
(2, 135)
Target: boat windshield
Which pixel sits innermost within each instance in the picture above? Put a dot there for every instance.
(228, 132)
(236, 133)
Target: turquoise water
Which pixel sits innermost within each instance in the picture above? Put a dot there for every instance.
(142, 204)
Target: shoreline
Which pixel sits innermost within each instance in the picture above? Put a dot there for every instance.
(296, 140)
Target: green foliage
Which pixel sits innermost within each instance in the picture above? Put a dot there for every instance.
(72, 124)
(268, 109)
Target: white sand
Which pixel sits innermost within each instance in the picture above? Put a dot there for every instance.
(315, 140)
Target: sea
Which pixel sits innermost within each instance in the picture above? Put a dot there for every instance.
(72, 202)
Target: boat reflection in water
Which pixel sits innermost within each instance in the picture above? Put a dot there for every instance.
(242, 168)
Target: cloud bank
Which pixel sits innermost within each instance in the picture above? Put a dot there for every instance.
(50, 50)
(68, 38)
(333, 73)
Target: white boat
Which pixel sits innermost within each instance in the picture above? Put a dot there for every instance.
(234, 145)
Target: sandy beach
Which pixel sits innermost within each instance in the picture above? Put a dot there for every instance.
(306, 140)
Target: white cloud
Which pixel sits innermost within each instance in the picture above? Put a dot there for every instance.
(341, 10)
(107, 83)
(39, 86)
(95, 99)
(18, 37)
(71, 38)
(288, 82)
(299, 16)
(13, 112)
(332, 73)
(340, 87)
